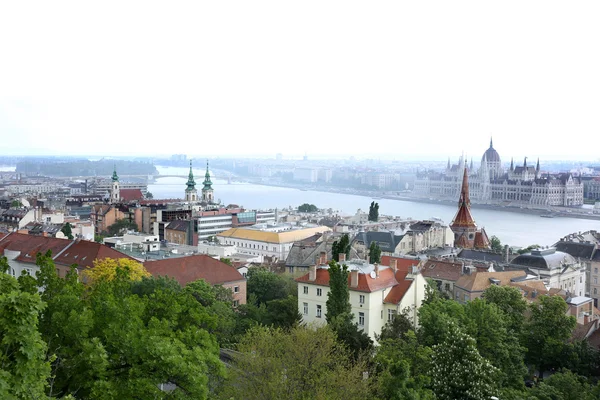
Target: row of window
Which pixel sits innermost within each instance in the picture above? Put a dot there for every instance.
(249, 246)
(361, 315)
(361, 298)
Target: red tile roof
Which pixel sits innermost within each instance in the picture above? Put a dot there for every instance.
(192, 268)
(397, 293)
(481, 240)
(159, 201)
(402, 263)
(29, 245)
(131, 194)
(441, 269)
(83, 253)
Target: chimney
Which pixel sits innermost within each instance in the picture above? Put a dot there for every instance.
(393, 264)
(312, 273)
(506, 251)
(323, 258)
(317, 260)
(377, 270)
(342, 257)
(586, 318)
(368, 260)
(354, 278)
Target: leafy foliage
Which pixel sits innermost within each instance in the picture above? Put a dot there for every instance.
(496, 244)
(374, 212)
(107, 269)
(374, 253)
(338, 297)
(67, 231)
(341, 247)
(121, 226)
(307, 208)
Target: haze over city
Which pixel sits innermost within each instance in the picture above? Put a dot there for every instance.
(405, 80)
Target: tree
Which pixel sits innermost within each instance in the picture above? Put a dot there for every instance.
(308, 208)
(282, 313)
(149, 195)
(122, 225)
(107, 268)
(226, 261)
(338, 297)
(564, 385)
(546, 333)
(302, 363)
(458, 371)
(16, 204)
(374, 212)
(341, 247)
(267, 285)
(397, 328)
(496, 244)
(510, 301)
(67, 231)
(24, 370)
(374, 253)
(528, 249)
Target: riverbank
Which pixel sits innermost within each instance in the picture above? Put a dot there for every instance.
(375, 195)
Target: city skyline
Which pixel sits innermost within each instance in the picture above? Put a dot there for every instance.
(401, 81)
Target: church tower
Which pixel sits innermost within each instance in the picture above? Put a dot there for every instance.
(208, 195)
(191, 194)
(115, 190)
(463, 225)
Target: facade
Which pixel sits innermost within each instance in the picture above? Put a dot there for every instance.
(524, 184)
(180, 232)
(192, 268)
(306, 174)
(471, 286)
(377, 294)
(272, 242)
(466, 234)
(115, 189)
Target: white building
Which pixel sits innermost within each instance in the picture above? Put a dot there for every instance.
(556, 269)
(273, 241)
(306, 174)
(377, 293)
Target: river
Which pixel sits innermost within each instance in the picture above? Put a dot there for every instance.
(510, 227)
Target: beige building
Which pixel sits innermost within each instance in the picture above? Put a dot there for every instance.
(377, 294)
(471, 286)
(273, 241)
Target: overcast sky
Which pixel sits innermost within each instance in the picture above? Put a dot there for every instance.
(401, 78)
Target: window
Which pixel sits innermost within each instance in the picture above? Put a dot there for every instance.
(361, 318)
(236, 289)
(319, 292)
(595, 281)
(595, 270)
(595, 290)
(305, 289)
(447, 287)
(361, 299)
(305, 308)
(466, 297)
(318, 311)
(391, 314)
(580, 279)
(29, 271)
(236, 303)
(457, 295)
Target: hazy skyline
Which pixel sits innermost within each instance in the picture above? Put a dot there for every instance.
(414, 79)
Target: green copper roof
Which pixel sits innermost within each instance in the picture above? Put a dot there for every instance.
(191, 184)
(115, 177)
(207, 182)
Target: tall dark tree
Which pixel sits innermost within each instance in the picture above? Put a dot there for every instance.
(374, 212)
(341, 247)
(374, 253)
(307, 208)
(338, 297)
(496, 244)
(67, 231)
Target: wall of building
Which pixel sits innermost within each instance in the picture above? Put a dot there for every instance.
(240, 295)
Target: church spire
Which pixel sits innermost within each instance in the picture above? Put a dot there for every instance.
(207, 182)
(191, 184)
(463, 218)
(512, 164)
(525, 163)
(115, 177)
(537, 167)
(471, 166)
(491, 143)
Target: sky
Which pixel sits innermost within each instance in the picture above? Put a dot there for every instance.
(388, 78)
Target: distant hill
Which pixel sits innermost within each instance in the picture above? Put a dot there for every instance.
(85, 168)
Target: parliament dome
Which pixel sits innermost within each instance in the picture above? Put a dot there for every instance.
(491, 155)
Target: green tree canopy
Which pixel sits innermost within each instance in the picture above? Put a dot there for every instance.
(67, 231)
(374, 212)
(374, 253)
(341, 247)
(267, 285)
(307, 208)
(121, 226)
(338, 297)
(496, 244)
(302, 363)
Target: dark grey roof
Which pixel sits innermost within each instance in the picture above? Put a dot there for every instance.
(386, 241)
(544, 259)
(576, 249)
(179, 225)
(305, 253)
(478, 255)
(422, 226)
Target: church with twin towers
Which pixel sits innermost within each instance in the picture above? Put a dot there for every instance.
(492, 183)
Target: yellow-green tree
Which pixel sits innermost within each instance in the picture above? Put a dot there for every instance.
(106, 269)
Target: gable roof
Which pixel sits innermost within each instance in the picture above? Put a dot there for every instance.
(576, 249)
(83, 253)
(479, 281)
(385, 280)
(442, 269)
(386, 241)
(402, 263)
(305, 254)
(480, 255)
(397, 292)
(131, 194)
(192, 268)
(178, 225)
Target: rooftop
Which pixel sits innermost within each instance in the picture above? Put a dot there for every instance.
(192, 268)
(255, 234)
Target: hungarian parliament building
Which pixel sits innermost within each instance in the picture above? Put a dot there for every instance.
(491, 184)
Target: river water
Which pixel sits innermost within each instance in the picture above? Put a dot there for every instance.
(510, 227)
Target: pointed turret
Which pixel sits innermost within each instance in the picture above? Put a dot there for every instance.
(115, 177)
(537, 167)
(463, 225)
(191, 194)
(525, 163)
(491, 143)
(512, 164)
(207, 190)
